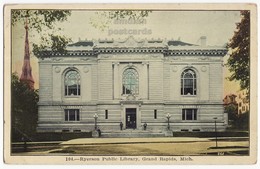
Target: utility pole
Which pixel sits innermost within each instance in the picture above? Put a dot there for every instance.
(216, 134)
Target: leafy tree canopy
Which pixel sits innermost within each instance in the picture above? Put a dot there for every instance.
(23, 109)
(129, 14)
(238, 62)
(44, 23)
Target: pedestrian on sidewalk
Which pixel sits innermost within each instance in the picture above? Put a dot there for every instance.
(99, 132)
(145, 125)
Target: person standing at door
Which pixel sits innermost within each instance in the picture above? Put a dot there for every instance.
(121, 126)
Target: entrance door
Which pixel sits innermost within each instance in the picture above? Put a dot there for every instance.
(130, 118)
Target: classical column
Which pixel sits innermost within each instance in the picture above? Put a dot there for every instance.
(117, 88)
(123, 120)
(139, 117)
(144, 85)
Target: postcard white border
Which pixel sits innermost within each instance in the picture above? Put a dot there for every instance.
(197, 159)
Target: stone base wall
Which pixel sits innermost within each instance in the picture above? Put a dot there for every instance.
(52, 118)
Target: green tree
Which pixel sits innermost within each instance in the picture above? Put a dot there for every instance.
(23, 110)
(238, 62)
(243, 121)
(44, 23)
(231, 110)
(237, 121)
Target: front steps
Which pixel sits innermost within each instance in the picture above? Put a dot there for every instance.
(131, 133)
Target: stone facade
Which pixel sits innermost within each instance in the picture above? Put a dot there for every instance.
(133, 82)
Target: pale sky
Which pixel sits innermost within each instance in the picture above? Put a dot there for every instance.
(188, 26)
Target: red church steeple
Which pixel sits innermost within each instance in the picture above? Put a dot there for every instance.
(26, 75)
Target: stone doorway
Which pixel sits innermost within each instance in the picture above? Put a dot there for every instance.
(130, 118)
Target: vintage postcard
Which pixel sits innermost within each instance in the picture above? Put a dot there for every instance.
(130, 84)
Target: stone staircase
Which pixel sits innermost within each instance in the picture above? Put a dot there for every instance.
(131, 133)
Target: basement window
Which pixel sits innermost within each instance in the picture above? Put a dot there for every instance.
(155, 114)
(106, 114)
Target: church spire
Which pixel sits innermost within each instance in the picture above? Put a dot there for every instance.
(26, 75)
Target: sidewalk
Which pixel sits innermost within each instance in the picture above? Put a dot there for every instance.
(94, 141)
(139, 146)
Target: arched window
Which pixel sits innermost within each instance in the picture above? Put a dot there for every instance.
(130, 81)
(188, 82)
(72, 83)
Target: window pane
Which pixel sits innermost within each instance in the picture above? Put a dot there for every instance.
(128, 90)
(189, 114)
(195, 114)
(188, 75)
(188, 91)
(66, 87)
(72, 83)
(72, 90)
(188, 83)
(106, 114)
(124, 89)
(130, 81)
(72, 115)
(183, 114)
(182, 86)
(77, 115)
(195, 87)
(66, 115)
(78, 89)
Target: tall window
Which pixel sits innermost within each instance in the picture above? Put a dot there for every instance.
(71, 114)
(188, 82)
(155, 114)
(106, 114)
(72, 83)
(189, 114)
(130, 81)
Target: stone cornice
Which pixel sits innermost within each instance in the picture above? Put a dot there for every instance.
(213, 52)
(46, 54)
(163, 50)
